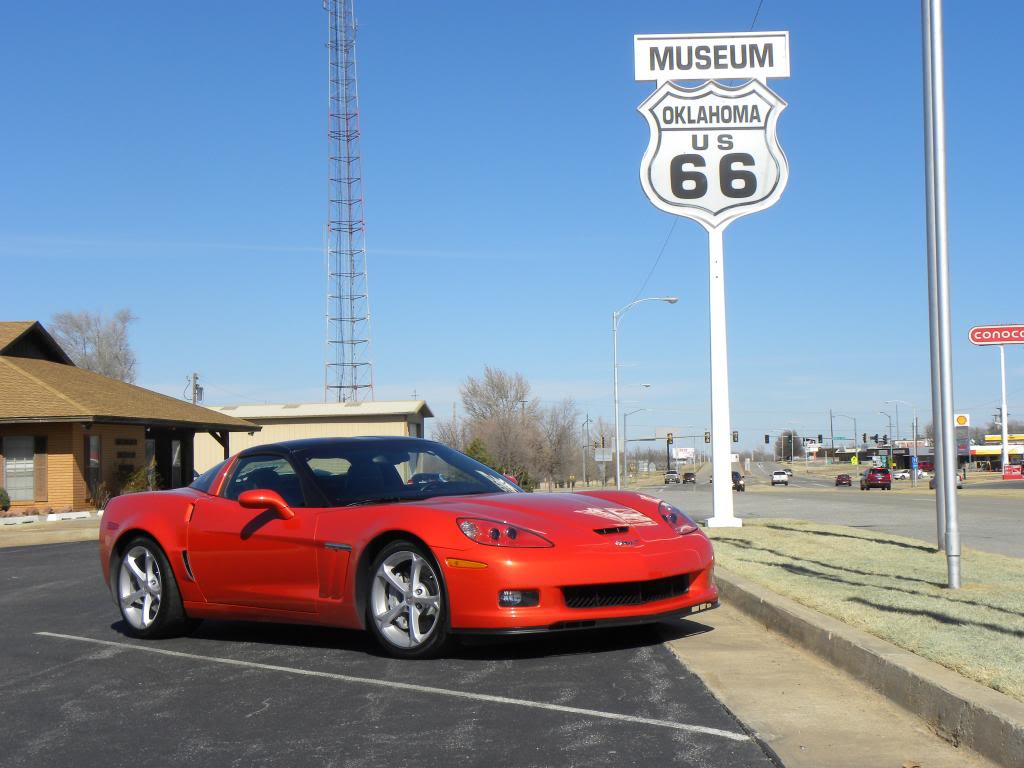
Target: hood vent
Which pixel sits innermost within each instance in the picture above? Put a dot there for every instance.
(608, 531)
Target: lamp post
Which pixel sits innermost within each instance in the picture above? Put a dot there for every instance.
(887, 416)
(913, 468)
(615, 370)
(585, 426)
(625, 436)
(844, 416)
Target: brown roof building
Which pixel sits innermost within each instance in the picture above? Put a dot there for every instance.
(69, 436)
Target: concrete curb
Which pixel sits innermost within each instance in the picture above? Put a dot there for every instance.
(54, 517)
(962, 711)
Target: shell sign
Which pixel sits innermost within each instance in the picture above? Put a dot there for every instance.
(962, 420)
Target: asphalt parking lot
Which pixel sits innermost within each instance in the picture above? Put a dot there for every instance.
(75, 691)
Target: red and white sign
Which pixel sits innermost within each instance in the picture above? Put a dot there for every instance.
(996, 334)
(1012, 472)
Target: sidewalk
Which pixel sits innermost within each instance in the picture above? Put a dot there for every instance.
(25, 534)
(810, 713)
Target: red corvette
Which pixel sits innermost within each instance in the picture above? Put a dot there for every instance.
(401, 536)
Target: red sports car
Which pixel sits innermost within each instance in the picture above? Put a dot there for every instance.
(401, 536)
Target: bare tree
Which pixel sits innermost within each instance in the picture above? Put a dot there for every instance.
(557, 452)
(97, 343)
(788, 445)
(451, 432)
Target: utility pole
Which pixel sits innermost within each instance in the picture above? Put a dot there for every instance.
(586, 444)
(192, 389)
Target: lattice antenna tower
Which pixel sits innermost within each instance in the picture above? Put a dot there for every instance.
(348, 374)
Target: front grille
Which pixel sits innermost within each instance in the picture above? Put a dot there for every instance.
(626, 593)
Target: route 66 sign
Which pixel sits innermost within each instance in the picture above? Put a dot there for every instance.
(713, 154)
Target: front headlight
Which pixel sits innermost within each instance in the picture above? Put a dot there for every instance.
(494, 534)
(678, 521)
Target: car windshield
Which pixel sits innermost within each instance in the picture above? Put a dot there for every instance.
(403, 469)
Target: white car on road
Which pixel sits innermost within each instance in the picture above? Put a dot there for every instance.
(779, 477)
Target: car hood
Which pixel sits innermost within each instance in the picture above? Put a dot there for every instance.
(583, 518)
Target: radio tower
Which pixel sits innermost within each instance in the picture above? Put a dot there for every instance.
(348, 374)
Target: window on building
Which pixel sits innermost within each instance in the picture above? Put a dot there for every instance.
(19, 468)
(93, 464)
(175, 463)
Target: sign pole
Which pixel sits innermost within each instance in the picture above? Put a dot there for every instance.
(721, 433)
(1003, 420)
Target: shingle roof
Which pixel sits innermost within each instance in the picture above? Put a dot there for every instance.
(11, 330)
(43, 390)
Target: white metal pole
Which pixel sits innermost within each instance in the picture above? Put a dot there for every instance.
(721, 434)
(948, 477)
(933, 309)
(615, 391)
(1003, 420)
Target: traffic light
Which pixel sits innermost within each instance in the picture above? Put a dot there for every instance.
(820, 440)
(885, 439)
(864, 437)
(669, 439)
(602, 441)
(874, 438)
(767, 440)
(707, 437)
(735, 436)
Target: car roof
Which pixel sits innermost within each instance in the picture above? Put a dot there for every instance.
(288, 446)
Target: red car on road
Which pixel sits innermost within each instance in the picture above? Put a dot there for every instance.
(403, 537)
(877, 477)
(843, 480)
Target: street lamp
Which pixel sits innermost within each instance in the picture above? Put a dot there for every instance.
(913, 469)
(844, 416)
(625, 434)
(615, 370)
(887, 416)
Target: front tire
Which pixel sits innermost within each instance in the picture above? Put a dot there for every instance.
(406, 602)
(147, 592)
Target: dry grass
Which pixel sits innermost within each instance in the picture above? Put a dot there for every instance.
(894, 588)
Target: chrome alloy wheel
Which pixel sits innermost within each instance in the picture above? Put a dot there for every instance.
(405, 599)
(139, 586)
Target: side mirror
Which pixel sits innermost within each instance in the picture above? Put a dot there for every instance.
(262, 498)
(512, 478)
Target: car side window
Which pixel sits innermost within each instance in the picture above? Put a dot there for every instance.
(272, 473)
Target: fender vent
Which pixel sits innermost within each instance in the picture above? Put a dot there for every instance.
(188, 566)
(615, 529)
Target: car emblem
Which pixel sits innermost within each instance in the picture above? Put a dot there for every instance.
(626, 542)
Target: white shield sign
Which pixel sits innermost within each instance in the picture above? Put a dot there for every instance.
(713, 154)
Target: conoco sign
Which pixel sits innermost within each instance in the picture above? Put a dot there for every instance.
(996, 334)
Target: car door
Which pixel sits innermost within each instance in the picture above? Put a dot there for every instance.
(251, 557)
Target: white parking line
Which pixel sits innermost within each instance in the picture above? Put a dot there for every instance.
(408, 687)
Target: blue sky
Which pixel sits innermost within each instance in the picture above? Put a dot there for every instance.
(171, 159)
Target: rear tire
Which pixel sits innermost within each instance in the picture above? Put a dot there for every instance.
(147, 592)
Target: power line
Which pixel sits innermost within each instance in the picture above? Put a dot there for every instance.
(657, 261)
(756, 14)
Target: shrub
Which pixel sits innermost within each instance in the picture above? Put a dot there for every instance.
(138, 480)
(5, 501)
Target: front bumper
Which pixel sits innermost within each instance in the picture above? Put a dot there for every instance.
(473, 593)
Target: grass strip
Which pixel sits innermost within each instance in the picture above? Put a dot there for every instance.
(894, 588)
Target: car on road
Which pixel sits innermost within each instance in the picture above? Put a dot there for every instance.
(788, 471)
(959, 481)
(844, 480)
(329, 531)
(672, 476)
(689, 477)
(738, 482)
(901, 474)
(876, 477)
(779, 477)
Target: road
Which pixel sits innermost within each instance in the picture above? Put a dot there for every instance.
(75, 691)
(987, 523)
